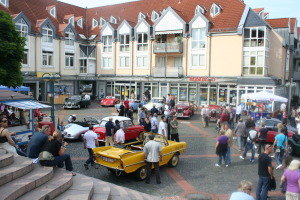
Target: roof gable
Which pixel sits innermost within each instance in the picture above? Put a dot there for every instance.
(21, 15)
(124, 28)
(199, 21)
(107, 29)
(254, 20)
(142, 27)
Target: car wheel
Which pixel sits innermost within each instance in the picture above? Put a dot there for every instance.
(174, 160)
(141, 173)
(290, 149)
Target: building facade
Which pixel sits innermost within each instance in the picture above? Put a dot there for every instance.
(208, 52)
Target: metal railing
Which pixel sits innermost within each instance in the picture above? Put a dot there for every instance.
(167, 72)
(168, 47)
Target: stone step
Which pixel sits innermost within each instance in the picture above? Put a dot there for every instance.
(61, 181)
(82, 189)
(134, 195)
(6, 159)
(101, 190)
(118, 193)
(18, 187)
(20, 167)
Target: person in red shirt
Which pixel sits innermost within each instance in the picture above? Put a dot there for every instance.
(126, 105)
(225, 117)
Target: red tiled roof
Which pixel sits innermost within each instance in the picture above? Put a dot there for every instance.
(293, 23)
(283, 23)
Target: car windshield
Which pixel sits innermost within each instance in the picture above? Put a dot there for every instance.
(157, 100)
(75, 97)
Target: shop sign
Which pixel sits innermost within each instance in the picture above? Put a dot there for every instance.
(203, 79)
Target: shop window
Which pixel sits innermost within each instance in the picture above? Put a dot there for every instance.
(69, 60)
(213, 96)
(223, 96)
(107, 43)
(183, 94)
(124, 43)
(192, 92)
(142, 42)
(203, 96)
(47, 59)
(254, 37)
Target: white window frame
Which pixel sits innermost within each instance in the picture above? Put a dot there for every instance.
(143, 45)
(124, 42)
(154, 16)
(72, 20)
(201, 61)
(26, 55)
(199, 39)
(113, 20)
(199, 9)
(254, 40)
(47, 59)
(141, 16)
(102, 21)
(106, 62)
(124, 61)
(23, 27)
(83, 69)
(142, 62)
(79, 23)
(52, 12)
(69, 37)
(94, 23)
(107, 41)
(4, 2)
(47, 33)
(251, 59)
(215, 10)
(69, 60)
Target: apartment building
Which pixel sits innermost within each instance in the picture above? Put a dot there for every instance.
(208, 52)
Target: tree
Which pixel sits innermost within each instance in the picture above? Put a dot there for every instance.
(11, 52)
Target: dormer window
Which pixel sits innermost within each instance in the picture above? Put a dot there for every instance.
(199, 9)
(79, 23)
(22, 27)
(113, 20)
(215, 10)
(141, 16)
(94, 23)
(47, 33)
(71, 20)
(69, 37)
(102, 21)
(154, 16)
(53, 12)
(4, 2)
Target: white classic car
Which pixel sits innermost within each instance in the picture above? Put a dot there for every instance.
(159, 104)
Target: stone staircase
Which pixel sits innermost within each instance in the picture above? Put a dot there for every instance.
(21, 179)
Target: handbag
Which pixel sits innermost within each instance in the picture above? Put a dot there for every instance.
(283, 187)
(45, 155)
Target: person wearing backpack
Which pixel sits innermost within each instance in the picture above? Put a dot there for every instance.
(250, 144)
(280, 144)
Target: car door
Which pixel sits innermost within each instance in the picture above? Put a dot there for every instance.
(271, 125)
(131, 132)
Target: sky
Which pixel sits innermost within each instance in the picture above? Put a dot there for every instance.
(275, 8)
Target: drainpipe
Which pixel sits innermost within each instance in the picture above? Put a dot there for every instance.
(186, 55)
(209, 65)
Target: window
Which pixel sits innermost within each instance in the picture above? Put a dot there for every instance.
(254, 37)
(199, 9)
(83, 66)
(69, 59)
(113, 20)
(47, 33)
(47, 59)
(215, 10)
(93, 54)
(161, 39)
(25, 58)
(142, 61)
(198, 38)
(198, 60)
(53, 12)
(107, 43)
(102, 22)
(69, 37)
(141, 16)
(106, 62)
(142, 42)
(253, 63)
(154, 16)
(124, 43)
(22, 27)
(94, 23)
(79, 23)
(124, 61)
(4, 2)
(71, 20)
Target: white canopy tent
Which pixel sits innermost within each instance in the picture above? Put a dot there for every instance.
(264, 96)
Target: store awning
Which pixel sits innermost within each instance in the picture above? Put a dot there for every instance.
(167, 32)
(25, 105)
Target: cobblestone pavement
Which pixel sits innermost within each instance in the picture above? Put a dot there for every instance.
(195, 173)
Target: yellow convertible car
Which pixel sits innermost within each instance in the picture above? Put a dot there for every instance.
(129, 157)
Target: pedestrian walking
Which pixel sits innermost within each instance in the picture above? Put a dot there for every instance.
(280, 143)
(152, 155)
(263, 132)
(109, 132)
(225, 117)
(90, 141)
(147, 125)
(240, 131)
(205, 116)
(142, 116)
(172, 102)
(174, 129)
(163, 127)
(265, 173)
(154, 124)
(229, 134)
(244, 191)
(122, 109)
(221, 149)
(250, 144)
(238, 113)
(126, 105)
(291, 178)
(130, 113)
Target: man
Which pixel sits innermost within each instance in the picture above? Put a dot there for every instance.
(174, 129)
(142, 116)
(90, 141)
(205, 116)
(153, 110)
(168, 99)
(172, 102)
(265, 173)
(120, 136)
(152, 155)
(240, 131)
(126, 105)
(162, 127)
(36, 143)
(109, 131)
(238, 113)
(122, 109)
(154, 124)
(263, 132)
(250, 144)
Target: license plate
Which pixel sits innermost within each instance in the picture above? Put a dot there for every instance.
(111, 160)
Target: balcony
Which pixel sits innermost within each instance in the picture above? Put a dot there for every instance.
(168, 47)
(167, 72)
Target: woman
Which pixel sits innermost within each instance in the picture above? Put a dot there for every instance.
(280, 142)
(6, 140)
(292, 178)
(53, 153)
(221, 149)
(147, 125)
(244, 192)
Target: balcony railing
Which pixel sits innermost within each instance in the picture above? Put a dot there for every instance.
(168, 47)
(167, 72)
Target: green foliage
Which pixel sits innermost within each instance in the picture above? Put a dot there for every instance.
(11, 52)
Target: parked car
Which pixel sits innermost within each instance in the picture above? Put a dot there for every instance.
(74, 130)
(184, 109)
(129, 158)
(271, 125)
(159, 104)
(214, 112)
(109, 101)
(132, 103)
(131, 131)
(76, 101)
(294, 145)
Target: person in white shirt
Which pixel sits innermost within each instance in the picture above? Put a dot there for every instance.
(282, 107)
(238, 113)
(162, 127)
(154, 123)
(205, 116)
(152, 155)
(90, 141)
(120, 136)
(167, 111)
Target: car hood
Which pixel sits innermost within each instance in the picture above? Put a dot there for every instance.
(72, 101)
(75, 129)
(112, 152)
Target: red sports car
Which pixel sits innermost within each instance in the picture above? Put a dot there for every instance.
(109, 101)
(214, 112)
(131, 131)
(184, 109)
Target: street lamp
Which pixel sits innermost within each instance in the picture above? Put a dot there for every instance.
(51, 77)
(290, 85)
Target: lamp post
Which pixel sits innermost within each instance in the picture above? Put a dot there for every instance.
(290, 85)
(51, 78)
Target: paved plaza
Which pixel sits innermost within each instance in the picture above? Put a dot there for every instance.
(195, 173)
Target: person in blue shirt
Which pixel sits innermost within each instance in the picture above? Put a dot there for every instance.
(245, 188)
(280, 142)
